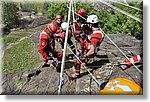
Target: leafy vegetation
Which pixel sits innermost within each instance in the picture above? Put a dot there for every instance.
(111, 21)
(56, 9)
(28, 7)
(10, 16)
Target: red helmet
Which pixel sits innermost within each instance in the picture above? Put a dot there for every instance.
(52, 27)
(58, 17)
(82, 12)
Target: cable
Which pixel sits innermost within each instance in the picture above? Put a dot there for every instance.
(85, 68)
(117, 47)
(119, 10)
(122, 53)
(127, 5)
(77, 14)
(115, 44)
(137, 19)
(64, 52)
(74, 28)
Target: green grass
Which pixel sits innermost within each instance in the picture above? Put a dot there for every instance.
(17, 35)
(20, 57)
(12, 38)
(23, 56)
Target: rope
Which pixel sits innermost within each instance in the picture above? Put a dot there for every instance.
(119, 10)
(85, 68)
(58, 88)
(137, 19)
(77, 14)
(127, 5)
(115, 46)
(74, 28)
(74, 40)
(65, 82)
(64, 52)
(122, 53)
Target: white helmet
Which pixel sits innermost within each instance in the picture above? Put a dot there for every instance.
(92, 19)
(64, 25)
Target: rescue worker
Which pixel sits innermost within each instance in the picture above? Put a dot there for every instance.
(56, 56)
(47, 45)
(78, 33)
(91, 43)
(82, 14)
(57, 22)
(58, 34)
(60, 37)
(64, 27)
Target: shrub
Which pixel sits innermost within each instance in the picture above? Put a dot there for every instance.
(10, 15)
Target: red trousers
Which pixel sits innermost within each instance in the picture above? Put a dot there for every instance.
(78, 64)
(47, 46)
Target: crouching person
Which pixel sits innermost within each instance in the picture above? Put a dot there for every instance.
(90, 45)
(47, 45)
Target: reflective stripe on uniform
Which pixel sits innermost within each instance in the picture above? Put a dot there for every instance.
(98, 32)
(135, 59)
(138, 57)
(43, 32)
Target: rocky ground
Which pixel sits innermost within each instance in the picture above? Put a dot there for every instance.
(43, 81)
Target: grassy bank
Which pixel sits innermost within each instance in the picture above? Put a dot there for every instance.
(17, 35)
(20, 57)
(13, 37)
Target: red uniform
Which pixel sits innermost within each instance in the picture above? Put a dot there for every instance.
(47, 46)
(60, 37)
(44, 44)
(47, 43)
(79, 24)
(77, 31)
(94, 39)
(133, 60)
(81, 31)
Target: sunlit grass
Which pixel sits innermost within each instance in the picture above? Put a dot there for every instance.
(20, 57)
(17, 35)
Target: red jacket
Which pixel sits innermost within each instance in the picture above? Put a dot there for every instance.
(44, 41)
(94, 39)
